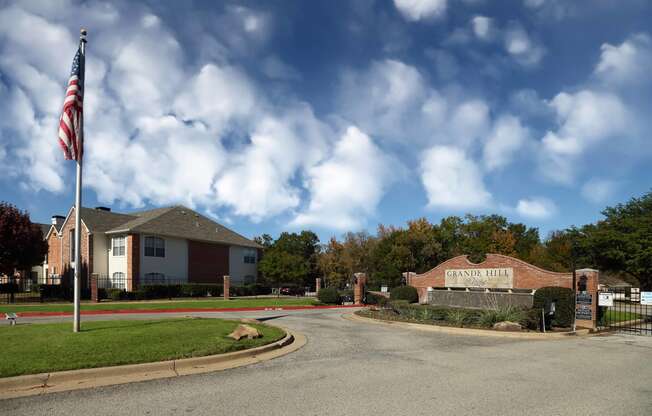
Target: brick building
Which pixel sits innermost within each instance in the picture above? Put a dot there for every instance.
(173, 244)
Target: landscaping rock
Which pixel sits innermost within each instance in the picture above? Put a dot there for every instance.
(507, 326)
(244, 331)
(250, 321)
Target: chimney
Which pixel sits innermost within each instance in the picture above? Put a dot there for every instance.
(107, 209)
(57, 218)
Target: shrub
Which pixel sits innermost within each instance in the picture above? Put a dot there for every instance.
(374, 299)
(198, 290)
(510, 313)
(564, 304)
(55, 292)
(532, 319)
(457, 317)
(161, 291)
(408, 293)
(328, 295)
(115, 294)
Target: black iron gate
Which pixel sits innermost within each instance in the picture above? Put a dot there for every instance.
(625, 312)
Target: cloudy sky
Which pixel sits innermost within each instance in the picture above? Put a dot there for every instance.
(333, 116)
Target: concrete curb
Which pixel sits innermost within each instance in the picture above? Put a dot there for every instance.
(36, 384)
(468, 331)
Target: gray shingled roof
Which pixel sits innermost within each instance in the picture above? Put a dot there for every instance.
(98, 220)
(176, 221)
(45, 228)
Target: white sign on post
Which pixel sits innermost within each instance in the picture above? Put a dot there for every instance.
(606, 299)
(646, 298)
(383, 289)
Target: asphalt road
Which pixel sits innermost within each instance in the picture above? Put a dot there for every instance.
(353, 368)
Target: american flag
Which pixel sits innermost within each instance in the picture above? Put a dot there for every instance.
(71, 130)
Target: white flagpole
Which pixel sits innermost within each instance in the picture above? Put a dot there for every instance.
(78, 191)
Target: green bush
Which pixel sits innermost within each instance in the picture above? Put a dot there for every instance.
(408, 293)
(55, 292)
(564, 304)
(532, 319)
(115, 294)
(329, 295)
(374, 299)
(161, 291)
(489, 317)
(457, 316)
(200, 289)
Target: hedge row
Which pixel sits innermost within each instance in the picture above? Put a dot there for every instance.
(407, 293)
(180, 291)
(528, 318)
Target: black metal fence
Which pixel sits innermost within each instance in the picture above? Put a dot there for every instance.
(28, 289)
(625, 312)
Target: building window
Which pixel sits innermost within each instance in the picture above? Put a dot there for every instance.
(250, 255)
(154, 247)
(154, 278)
(118, 244)
(72, 245)
(118, 281)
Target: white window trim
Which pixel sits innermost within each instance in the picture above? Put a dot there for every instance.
(113, 247)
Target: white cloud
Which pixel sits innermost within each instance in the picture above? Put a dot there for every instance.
(586, 119)
(522, 47)
(598, 190)
(259, 180)
(536, 208)
(414, 10)
(382, 99)
(452, 180)
(508, 135)
(482, 27)
(346, 187)
(629, 63)
(217, 95)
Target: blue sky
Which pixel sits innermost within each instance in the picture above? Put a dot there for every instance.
(333, 116)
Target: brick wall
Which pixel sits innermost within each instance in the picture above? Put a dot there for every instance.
(526, 276)
(67, 241)
(133, 260)
(207, 263)
(54, 254)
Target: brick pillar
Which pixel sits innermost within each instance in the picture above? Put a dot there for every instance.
(227, 286)
(358, 289)
(94, 294)
(317, 285)
(587, 297)
(133, 261)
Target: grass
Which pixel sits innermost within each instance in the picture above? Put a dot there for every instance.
(37, 348)
(162, 305)
(620, 316)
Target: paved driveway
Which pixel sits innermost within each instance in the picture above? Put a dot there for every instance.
(352, 368)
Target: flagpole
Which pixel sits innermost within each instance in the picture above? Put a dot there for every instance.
(78, 191)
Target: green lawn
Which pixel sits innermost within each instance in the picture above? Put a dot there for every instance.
(37, 348)
(162, 305)
(618, 316)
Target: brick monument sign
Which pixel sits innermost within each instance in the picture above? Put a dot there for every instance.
(504, 274)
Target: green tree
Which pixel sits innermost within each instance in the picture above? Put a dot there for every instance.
(21, 242)
(280, 267)
(623, 240)
(290, 249)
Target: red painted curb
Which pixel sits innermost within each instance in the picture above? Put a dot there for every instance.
(177, 310)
